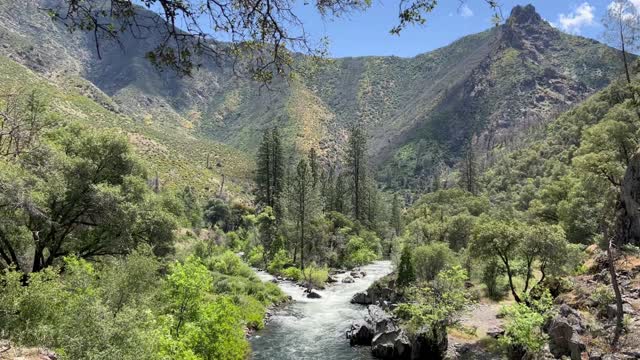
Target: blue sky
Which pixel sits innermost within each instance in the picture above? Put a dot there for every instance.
(368, 33)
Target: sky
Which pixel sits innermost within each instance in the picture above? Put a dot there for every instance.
(367, 33)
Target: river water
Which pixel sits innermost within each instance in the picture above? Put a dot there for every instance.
(314, 329)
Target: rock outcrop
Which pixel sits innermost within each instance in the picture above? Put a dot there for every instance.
(376, 295)
(564, 334)
(391, 342)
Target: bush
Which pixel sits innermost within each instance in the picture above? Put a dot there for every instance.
(603, 296)
(358, 253)
(315, 275)
(279, 262)
(490, 278)
(430, 259)
(292, 273)
(523, 325)
(229, 264)
(256, 256)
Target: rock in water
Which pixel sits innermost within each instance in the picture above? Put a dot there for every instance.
(362, 298)
(391, 345)
(361, 333)
(348, 280)
(313, 295)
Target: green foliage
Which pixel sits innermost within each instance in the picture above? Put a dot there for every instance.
(293, 273)
(316, 276)
(523, 327)
(491, 273)
(358, 252)
(438, 303)
(603, 296)
(279, 262)
(430, 259)
(406, 268)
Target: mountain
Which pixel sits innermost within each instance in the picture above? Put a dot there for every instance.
(421, 112)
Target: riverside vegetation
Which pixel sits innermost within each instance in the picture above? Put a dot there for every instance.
(120, 239)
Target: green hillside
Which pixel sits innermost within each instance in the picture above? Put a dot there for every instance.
(178, 157)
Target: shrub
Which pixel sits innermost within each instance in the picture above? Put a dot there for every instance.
(490, 278)
(430, 259)
(229, 263)
(603, 296)
(523, 325)
(315, 275)
(358, 253)
(279, 262)
(292, 273)
(256, 256)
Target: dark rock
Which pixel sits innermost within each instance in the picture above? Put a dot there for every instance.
(381, 320)
(363, 273)
(564, 339)
(361, 333)
(361, 298)
(430, 343)
(331, 279)
(348, 280)
(355, 274)
(595, 355)
(391, 345)
(612, 310)
(313, 295)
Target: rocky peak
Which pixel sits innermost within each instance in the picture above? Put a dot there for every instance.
(524, 15)
(526, 30)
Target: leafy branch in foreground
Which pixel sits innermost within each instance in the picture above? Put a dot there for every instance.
(260, 36)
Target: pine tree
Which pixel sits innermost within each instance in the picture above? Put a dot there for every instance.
(304, 204)
(339, 193)
(356, 163)
(270, 172)
(406, 269)
(263, 171)
(314, 166)
(396, 215)
(469, 171)
(278, 173)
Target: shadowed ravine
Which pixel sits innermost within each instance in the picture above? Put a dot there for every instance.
(315, 329)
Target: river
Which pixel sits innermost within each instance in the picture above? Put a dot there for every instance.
(315, 328)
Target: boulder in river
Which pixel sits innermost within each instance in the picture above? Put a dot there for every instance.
(375, 295)
(355, 274)
(362, 298)
(313, 295)
(391, 345)
(331, 279)
(361, 333)
(348, 280)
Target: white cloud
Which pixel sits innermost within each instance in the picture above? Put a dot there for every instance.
(465, 11)
(576, 20)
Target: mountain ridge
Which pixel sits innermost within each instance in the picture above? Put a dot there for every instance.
(420, 112)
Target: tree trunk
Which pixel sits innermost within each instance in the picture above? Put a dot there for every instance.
(616, 290)
(513, 288)
(624, 55)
